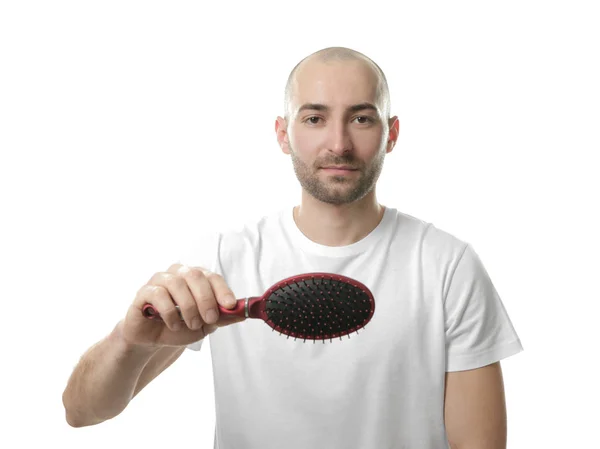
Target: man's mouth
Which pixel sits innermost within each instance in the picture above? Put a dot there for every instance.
(339, 167)
(339, 170)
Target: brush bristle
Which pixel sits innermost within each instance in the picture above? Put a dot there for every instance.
(318, 308)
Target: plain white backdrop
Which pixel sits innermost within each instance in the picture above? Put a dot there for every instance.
(129, 127)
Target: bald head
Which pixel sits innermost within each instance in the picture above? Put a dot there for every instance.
(339, 54)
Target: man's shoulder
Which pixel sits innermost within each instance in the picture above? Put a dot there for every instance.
(253, 227)
(431, 237)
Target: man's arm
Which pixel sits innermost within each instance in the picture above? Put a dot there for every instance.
(160, 361)
(475, 408)
(109, 375)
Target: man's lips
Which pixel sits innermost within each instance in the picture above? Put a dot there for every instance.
(339, 170)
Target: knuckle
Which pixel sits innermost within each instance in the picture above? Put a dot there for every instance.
(173, 281)
(181, 270)
(144, 290)
(195, 273)
(214, 277)
(156, 278)
(174, 267)
(156, 291)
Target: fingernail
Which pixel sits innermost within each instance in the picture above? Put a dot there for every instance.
(196, 323)
(211, 316)
(176, 326)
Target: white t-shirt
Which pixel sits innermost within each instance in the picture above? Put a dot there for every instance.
(436, 310)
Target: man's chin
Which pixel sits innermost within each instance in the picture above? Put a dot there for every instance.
(334, 199)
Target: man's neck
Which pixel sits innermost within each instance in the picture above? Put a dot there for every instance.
(338, 225)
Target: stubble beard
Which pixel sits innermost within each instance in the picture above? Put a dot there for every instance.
(338, 190)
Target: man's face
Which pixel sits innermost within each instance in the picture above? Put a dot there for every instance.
(333, 123)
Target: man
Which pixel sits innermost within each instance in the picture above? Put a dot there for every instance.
(425, 372)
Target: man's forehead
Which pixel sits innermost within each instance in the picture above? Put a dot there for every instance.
(317, 74)
(335, 84)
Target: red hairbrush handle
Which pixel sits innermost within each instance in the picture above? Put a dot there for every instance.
(242, 309)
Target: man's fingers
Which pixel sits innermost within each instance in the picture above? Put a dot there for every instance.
(161, 300)
(221, 290)
(201, 291)
(206, 289)
(177, 288)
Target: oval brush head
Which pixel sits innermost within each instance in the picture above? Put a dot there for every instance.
(311, 306)
(318, 306)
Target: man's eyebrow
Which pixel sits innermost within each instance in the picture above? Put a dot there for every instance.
(362, 106)
(322, 107)
(313, 107)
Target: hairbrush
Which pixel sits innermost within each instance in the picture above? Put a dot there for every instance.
(310, 306)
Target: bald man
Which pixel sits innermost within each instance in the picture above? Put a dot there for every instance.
(424, 374)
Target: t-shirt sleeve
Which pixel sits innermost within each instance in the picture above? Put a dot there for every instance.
(202, 252)
(478, 329)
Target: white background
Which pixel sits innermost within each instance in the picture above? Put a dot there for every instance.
(129, 127)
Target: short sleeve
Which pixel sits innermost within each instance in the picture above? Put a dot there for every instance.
(202, 252)
(478, 329)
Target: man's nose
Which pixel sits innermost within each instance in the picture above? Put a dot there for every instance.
(339, 138)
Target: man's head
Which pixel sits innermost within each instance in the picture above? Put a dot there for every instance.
(337, 114)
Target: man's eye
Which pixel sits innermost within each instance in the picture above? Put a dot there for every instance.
(362, 119)
(313, 120)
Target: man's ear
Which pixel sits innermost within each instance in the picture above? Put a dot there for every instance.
(282, 134)
(394, 127)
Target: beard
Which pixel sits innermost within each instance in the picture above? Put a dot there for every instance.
(338, 190)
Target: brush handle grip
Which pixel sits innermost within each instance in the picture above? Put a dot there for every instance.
(240, 310)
